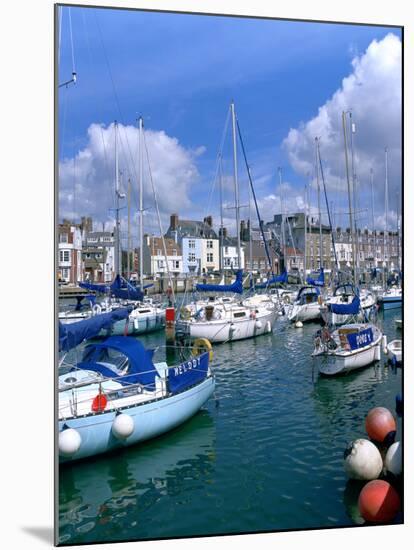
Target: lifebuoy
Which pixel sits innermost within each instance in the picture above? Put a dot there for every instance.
(201, 345)
(185, 313)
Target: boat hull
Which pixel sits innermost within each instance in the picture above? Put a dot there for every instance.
(225, 331)
(305, 312)
(141, 325)
(332, 364)
(150, 420)
(391, 303)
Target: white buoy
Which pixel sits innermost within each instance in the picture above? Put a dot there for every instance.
(268, 326)
(280, 312)
(258, 324)
(384, 344)
(123, 426)
(362, 460)
(69, 442)
(298, 324)
(393, 459)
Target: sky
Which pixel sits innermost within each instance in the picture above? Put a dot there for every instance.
(290, 82)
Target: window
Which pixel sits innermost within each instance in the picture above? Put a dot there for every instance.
(209, 244)
(174, 252)
(160, 264)
(159, 252)
(191, 257)
(65, 273)
(191, 243)
(176, 264)
(209, 257)
(63, 238)
(64, 256)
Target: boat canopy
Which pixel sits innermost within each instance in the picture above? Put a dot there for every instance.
(79, 305)
(141, 369)
(320, 281)
(236, 286)
(282, 278)
(360, 339)
(346, 309)
(308, 290)
(120, 288)
(72, 334)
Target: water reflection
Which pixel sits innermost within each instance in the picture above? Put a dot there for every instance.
(97, 503)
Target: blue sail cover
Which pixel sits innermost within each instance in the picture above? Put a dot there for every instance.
(346, 309)
(236, 286)
(188, 373)
(72, 334)
(320, 281)
(141, 367)
(120, 288)
(282, 278)
(360, 339)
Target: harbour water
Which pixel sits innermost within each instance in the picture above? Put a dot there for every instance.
(265, 454)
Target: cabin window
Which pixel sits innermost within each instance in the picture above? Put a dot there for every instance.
(239, 314)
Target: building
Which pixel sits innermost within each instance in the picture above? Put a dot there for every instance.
(294, 259)
(199, 244)
(70, 268)
(229, 254)
(154, 260)
(99, 256)
(293, 235)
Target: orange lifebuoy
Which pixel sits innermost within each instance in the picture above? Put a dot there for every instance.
(99, 402)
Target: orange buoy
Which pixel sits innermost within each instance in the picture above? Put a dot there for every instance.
(380, 425)
(99, 402)
(379, 502)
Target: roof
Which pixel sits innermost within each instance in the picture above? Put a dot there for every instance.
(192, 228)
(289, 251)
(155, 243)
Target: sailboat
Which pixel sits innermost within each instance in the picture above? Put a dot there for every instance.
(145, 316)
(230, 320)
(391, 297)
(116, 396)
(347, 302)
(353, 345)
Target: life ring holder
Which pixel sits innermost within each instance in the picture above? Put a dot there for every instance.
(286, 299)
(202, 345)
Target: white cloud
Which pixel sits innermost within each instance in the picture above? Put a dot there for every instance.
(86, 182)
(373, 92)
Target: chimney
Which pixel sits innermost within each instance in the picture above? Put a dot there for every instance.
(174, 221)
(209, 221)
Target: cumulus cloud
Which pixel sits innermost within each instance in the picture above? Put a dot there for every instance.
(372, 92)
(86, 181)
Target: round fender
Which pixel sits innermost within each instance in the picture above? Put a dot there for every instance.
(201, 345)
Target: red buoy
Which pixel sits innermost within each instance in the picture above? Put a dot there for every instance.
(380, 425)
(379, 502)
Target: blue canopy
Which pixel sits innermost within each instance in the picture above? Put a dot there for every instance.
(120, 288)
(236, 286)
(72, 334)
(346, 309)
(320, 281)
(360, 339)
(282, 278)
(141, 369)
(79, 305)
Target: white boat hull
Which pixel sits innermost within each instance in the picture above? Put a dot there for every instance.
(341, 362)
(229, 331)
(305, 312)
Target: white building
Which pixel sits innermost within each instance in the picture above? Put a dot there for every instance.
(154, 260)
(99, 256)
(200, 255)
(70, 268)
(230, 256)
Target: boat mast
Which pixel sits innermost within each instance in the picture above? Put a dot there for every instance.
(353, 130)
(221, 214)
(282, 218)
(306, 231)
(349, 191)
(386, 255)
(373, 217)
(319, 202)
(236, 185)
(141, 210)
(129, 231)
(117, 265)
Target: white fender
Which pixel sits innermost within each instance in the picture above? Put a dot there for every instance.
(123, 426)
(69, 442)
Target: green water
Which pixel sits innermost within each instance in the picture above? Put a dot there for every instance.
(265, 454)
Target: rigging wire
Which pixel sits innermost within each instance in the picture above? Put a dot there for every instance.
(159, 219)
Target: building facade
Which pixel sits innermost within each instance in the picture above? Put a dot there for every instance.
(99, 256)
(70, 266)
(155, 262)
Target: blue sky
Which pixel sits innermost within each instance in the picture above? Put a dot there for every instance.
(181, 71)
